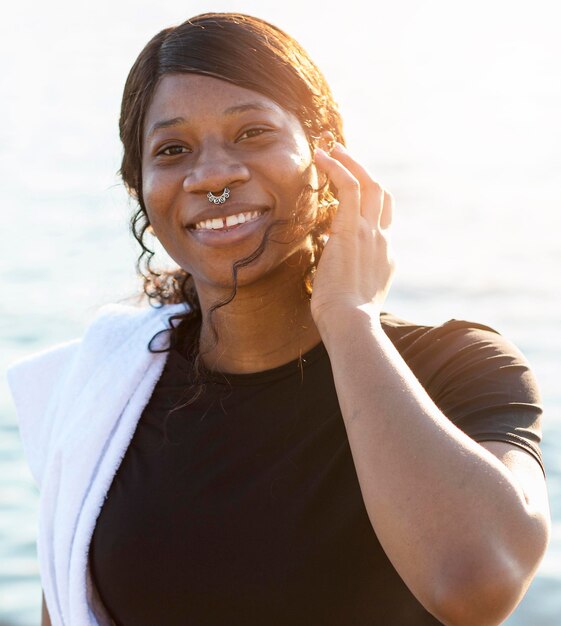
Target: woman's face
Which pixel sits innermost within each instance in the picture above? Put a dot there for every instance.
(203, 134)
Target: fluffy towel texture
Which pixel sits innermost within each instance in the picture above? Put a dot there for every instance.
(78, 405)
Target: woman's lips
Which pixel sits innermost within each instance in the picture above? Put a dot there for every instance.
(230, 234)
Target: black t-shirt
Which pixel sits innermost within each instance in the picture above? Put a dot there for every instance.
(243, 507)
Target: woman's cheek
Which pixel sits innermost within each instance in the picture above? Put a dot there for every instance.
(158, 197)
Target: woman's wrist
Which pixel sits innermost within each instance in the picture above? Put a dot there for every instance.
(341, 323)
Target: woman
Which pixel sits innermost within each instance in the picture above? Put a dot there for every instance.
(268, 446)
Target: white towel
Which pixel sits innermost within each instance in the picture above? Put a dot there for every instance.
(78, 405)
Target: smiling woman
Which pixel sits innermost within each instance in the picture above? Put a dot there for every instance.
(228, 138)
(265, 445)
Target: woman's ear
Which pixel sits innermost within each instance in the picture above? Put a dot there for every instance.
(326, 141)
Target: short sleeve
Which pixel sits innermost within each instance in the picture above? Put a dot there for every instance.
(479, 380)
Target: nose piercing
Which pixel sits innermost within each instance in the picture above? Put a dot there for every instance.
(221, 199)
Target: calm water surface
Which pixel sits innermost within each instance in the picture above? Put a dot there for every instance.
(454, 109)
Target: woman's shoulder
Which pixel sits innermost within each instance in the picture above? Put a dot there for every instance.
(454, 347)
(452, 334)
(110, 324)
(399, 327)
(113, 324)
(466, 364)
(478, 378)
(38, 379)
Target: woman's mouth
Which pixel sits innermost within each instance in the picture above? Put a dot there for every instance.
(229, 229)
(229, 221)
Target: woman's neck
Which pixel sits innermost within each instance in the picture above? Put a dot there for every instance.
(267, 324)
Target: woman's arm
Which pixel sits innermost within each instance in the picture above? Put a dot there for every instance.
(464, 530)
(45, 619)
(465, 533)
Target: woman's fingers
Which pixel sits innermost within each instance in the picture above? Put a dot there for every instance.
(375, 207)
(355, 266)
(372, 195)
(348, 187)
(358, 193)
(386, 216)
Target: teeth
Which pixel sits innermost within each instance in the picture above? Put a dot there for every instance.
(231, 220)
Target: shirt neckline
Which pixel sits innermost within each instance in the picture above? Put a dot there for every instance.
(291, 368)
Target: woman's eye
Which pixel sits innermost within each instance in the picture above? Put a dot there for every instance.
(173, 150)
(253, 132)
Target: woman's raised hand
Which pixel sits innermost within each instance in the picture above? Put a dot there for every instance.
(356, 267)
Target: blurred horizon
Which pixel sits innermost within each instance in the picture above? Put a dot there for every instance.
(454, 107)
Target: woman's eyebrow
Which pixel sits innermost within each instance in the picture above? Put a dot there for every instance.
(250, 106)
(239, 108)
(174, 121)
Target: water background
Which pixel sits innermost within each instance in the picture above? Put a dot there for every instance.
(454, 106)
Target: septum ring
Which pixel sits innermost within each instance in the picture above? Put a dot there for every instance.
(221, 199)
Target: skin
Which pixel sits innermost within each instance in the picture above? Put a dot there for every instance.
(449, 512)
(263, 156)
(45, 617)
(426, 514)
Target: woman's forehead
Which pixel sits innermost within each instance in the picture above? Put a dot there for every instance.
(185, 97)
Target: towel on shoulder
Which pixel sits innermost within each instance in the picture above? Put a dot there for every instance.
(78, 404)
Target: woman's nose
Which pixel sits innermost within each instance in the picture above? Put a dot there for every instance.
(214, 169)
